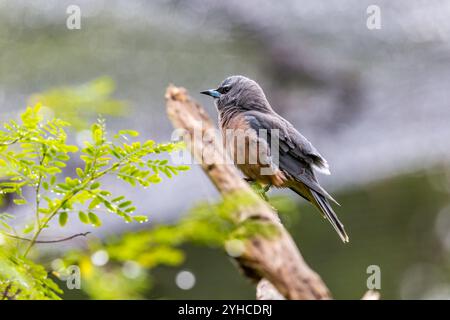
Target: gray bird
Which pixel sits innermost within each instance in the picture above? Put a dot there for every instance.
(243, 106)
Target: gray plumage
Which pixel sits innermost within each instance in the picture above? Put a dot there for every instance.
(242, 104)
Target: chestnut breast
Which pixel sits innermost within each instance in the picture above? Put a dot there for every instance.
(250, 153)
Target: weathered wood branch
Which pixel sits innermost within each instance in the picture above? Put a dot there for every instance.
(83, 234)
(275, 261)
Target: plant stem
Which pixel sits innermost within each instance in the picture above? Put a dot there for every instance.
(5, 144)
(38, 188)
(84, 234)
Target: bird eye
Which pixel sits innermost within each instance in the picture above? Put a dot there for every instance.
(224, 89)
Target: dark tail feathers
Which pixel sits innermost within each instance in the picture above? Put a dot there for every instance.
(324, 206)
(321, 202)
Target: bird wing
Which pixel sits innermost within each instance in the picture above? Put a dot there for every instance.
(291, 140)
(297, 156)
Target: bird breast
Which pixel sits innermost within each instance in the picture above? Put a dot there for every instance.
(249, 152)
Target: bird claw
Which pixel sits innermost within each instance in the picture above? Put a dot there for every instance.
(258, 188)
(267, 188)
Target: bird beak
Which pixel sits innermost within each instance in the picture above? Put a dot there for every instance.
(212, 93)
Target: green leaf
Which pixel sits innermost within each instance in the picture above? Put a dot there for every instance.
(80, 172)
(140, 219)
(93, 218)
(95, 185)
(63, 157)
(125, 204)
(59, 164)
(109, 206)
(53, 170)
(5, 225)
(131, 133)
(64, 186)
(20, 201)
(71, 149)
(63, 216)
(97, 134)
(130, 209)
(83, 217)
(94, 203)
(118, 199)
(28, 228)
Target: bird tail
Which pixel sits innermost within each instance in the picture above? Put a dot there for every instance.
(322, 203)
(324, 206)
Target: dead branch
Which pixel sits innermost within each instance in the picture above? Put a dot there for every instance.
(371, 295)
(266, 291)
(84, 234)
(277, 260)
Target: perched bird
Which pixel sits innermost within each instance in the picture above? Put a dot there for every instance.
(243, 106)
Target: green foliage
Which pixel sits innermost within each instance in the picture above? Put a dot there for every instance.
(82, 102)
(118, 279)
(33, 155)
(130, 258)
(210, 225)
(22, 279)
(214, 224)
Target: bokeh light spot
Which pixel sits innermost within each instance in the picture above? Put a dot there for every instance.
(185, 280)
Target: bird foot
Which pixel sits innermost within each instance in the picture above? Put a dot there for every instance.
(267, 188)
(258, 188)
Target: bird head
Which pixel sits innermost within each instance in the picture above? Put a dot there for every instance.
(238, 92)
